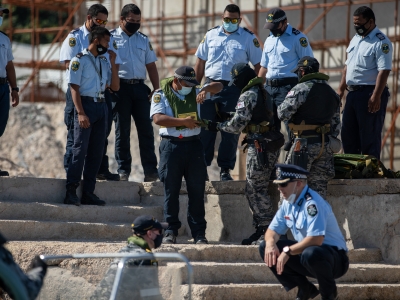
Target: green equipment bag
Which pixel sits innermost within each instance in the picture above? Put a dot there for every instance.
(355, 166)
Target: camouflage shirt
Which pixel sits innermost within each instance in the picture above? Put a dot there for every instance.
(244, 109)
(297, 96)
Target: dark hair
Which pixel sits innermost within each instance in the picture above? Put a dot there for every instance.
(98, 33)
(232, 8)
(130, 8)
(365, 12)
(96, 9)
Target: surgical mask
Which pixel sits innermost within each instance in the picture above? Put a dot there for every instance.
(184, 90)
(1, 21)
(101, 50)
(229, 27)
(292, 197)
(158, 241)
(132, 27)
(277, 32)
(360, 29)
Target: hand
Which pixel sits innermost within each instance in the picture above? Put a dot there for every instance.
(271, 253)
(280, 264)
(191, 123)
(341, 94)
(151, 94)
(113, 56)
(14, 98)
(83, 121)
(374, 104)
(201, 97)
(37, 262)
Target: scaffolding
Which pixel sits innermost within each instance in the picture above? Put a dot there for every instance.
(176, 49)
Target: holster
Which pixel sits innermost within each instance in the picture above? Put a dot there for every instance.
(298, 154)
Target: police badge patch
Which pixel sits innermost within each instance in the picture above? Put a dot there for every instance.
(150, 46)
(256, 43)
(270, 18)
(312, 210)
(75, 66)
(157, 98)
(115, 45)
(303, 42)
(385, 48)
(72, 42)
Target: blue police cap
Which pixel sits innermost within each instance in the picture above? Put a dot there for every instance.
(286, 173)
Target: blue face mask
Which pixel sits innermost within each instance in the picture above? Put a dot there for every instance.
(1, 21)
(229, 27)
(184, 90)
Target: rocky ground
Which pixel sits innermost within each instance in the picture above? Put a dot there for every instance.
(33, 144)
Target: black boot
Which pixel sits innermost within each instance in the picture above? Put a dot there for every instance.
(224, 174)
(260, 231)
(91, 199)
(71, 197)
(334, 296)
(307, 292)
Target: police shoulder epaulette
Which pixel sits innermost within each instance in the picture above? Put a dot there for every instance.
(4, 33)
(295, 31)
(380, 36)
(213, 28)
(79, 55)
(142, 34)
(248, 30)
(308, 196)
(75, 30)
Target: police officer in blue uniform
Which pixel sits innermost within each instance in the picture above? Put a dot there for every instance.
(89, 75)
(283, 48)
(76, 42)
(319, 250)
(174, 108)
(138, 56)
(368, 64)
(7, 79)
(221, 48)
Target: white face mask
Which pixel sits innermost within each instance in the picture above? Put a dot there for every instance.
(292, 197)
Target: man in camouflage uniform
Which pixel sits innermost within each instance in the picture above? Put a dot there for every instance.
(253, 116)
(312, 109)
(139, 278)
(14, 281)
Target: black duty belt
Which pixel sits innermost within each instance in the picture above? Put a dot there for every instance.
(224, 82)
(3, 80)
(99, 100)
(132, 81)
(282, 81)
(352, 88)
(181, 139)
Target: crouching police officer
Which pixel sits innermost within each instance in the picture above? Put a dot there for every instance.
(319, 250)
(254, 117)
(89, 75)
(142, 283)
(174, 108)
(312, 109)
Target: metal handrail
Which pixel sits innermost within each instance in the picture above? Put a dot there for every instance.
(124, 257)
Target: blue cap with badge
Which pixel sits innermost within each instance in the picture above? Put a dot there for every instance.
(286, 173)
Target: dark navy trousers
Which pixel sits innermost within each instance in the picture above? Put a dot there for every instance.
(362, 130)
(87, 150)
(69, 122)
(226, 101)
(4, 106)
(183, 159)
(325, 263)
(133, 101)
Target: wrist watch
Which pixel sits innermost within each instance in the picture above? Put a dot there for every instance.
(286, 249)
(15, 89)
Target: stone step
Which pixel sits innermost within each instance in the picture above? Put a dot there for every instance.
(72, 213)
(46, 230)
(252, 273)
(238, 253)
(276, 292)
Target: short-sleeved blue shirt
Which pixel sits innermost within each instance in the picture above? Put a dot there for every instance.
(5, 54)
(310, 215)
(281, 54)
(367, 56)
(221, 51)
(82, 72)
(135, 52)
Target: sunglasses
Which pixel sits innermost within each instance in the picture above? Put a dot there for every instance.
(233, 21)
(283, 185)
(101, 22)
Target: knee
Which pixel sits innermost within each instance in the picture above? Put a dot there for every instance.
(311, 256)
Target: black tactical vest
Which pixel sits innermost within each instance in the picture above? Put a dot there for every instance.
(260, 111)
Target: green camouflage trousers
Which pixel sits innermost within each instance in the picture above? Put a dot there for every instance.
(257, 181)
